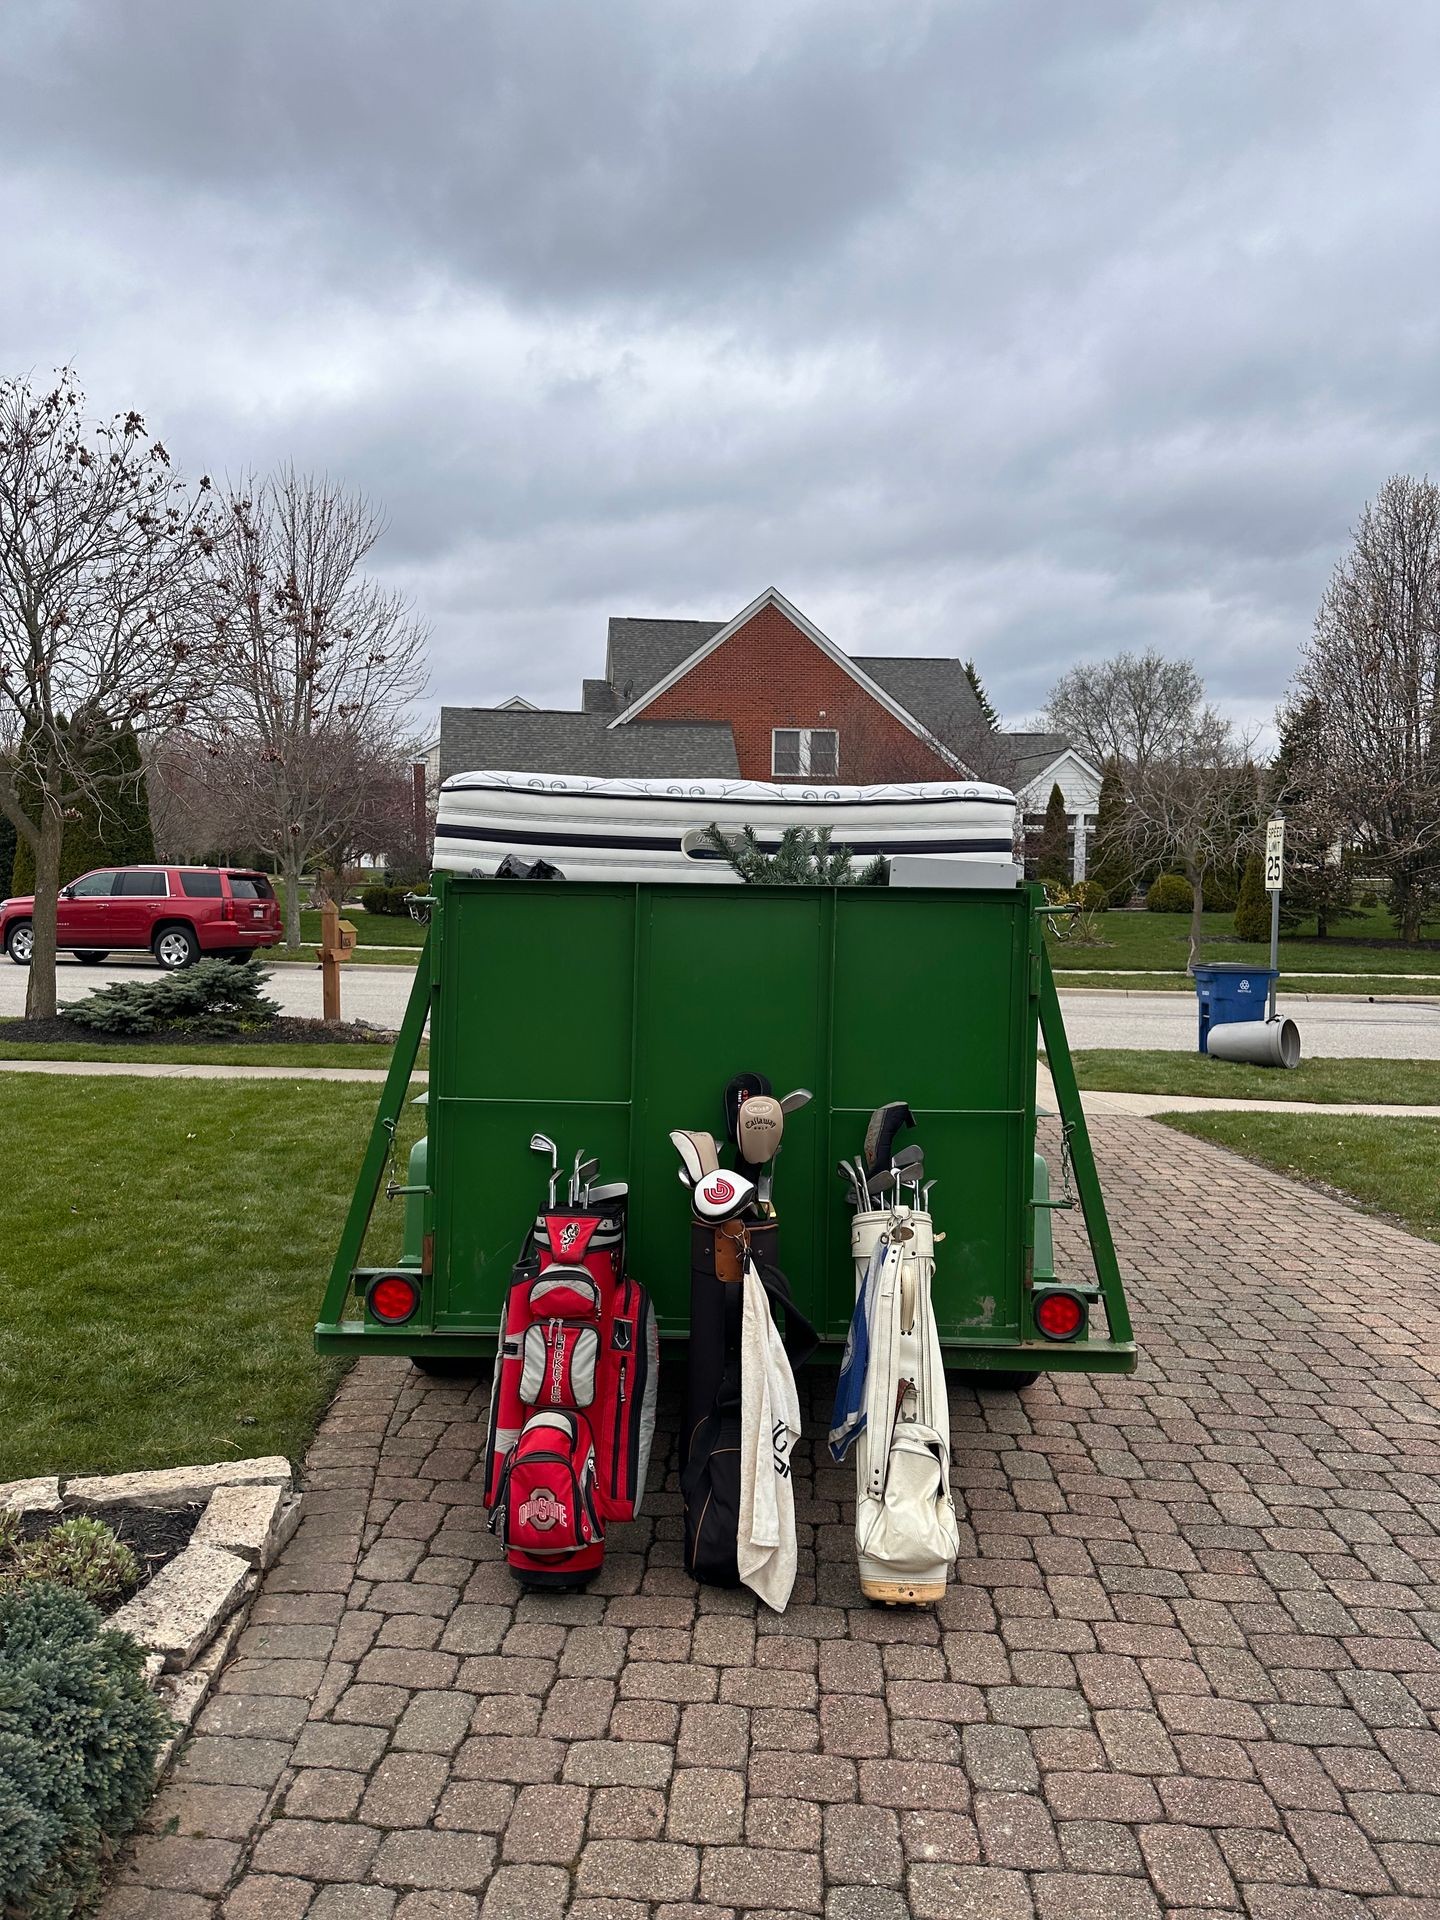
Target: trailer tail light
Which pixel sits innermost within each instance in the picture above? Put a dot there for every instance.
(1059, 1314)
(393, 1298)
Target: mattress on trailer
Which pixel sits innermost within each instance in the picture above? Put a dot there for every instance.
(594, 829)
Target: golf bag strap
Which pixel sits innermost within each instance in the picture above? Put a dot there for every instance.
(800, 1337)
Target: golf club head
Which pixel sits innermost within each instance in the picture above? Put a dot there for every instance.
(792, 1103)
(542, 1143)
(722, 1194)
(742, 1088)
(611, 1190)
(759, 1129)
(697, 1151)
(885, 1123)
(911, 1156)
(587, 1172)
(684, 1179)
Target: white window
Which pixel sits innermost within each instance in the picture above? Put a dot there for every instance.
(798, 752)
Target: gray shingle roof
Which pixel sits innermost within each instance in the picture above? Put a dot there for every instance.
(934, 692)
(639, 653)
(1033, 752)
(472, 738)
(598, 696)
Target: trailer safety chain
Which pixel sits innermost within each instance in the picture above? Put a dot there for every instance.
(1067, 1184)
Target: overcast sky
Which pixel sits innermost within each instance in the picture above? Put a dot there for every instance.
(1027, 329)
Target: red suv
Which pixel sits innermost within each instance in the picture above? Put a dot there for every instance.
(178, 913)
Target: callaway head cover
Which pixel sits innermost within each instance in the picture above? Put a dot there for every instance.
(740, 1089)
(759, 1128)
(722, 1194)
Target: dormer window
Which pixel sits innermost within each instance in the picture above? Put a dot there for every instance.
(800, 753)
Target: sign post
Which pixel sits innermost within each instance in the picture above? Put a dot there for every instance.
(1274, 881)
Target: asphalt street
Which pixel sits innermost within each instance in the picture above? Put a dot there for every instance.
(1158, 1022)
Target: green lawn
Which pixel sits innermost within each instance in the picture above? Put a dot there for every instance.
(1162, 941)
(284, 1054)
(165, 1247)
(359, 956)
(371, 929)
(1410, 1083)
(1387, 1166)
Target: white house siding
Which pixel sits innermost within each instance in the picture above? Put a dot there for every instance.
(1080, 784)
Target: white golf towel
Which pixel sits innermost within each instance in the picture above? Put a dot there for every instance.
(769, 1427)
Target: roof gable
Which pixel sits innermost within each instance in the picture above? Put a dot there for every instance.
(773, 597)
(639, 653)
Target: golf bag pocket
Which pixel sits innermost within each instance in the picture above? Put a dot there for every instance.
(594, 1241)
(909, 1531)
(710, 1485)
(624, 1416)
(557, 1363)
(547, 1515)
(564, 1293)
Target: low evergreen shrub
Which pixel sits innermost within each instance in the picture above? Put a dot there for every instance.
(84, 1555)
(803, 857)
(79, 1733)
(1169, 893)
(212, 997)
(385, 900)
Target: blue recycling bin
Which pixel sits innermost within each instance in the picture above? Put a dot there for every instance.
(1230, 991)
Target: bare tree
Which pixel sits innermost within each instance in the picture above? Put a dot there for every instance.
(100, 546)
(1133, 708)
(1196, 807)
(1372, 670)
(319, 667)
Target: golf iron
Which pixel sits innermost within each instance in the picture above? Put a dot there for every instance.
(542, 1143)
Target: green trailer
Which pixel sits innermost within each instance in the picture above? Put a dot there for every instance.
(606, 1014)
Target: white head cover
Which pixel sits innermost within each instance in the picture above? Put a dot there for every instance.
(723, 1194)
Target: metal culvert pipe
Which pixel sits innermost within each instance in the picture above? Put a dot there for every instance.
(1263, 1043)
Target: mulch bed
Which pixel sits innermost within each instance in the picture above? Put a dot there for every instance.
(307, 1032)
(155, 1535)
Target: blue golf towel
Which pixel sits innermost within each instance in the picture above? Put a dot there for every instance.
(847, 1416)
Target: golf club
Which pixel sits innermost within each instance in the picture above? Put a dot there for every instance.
(792, 1103)
(542, 1143)
(925, 1196)
(611, 1190)
(575, 1178)
(585, 1175)
(847, 1174)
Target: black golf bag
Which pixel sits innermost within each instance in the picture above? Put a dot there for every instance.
(710, 1437)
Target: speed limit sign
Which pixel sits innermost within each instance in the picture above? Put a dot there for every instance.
(1274, 855)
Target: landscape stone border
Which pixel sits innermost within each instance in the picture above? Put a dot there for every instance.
(190, 1615)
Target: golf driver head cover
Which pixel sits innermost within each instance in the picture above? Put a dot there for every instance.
(721, 1195)
(759, 1128)
(885, 1123)
(698, 1153)
(742, 1088)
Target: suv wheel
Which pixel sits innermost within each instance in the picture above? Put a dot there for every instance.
(20, 943)
(176, 947)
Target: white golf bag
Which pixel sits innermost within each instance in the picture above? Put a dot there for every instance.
(906, 1532)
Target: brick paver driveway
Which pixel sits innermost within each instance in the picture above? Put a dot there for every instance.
(1191, 1659)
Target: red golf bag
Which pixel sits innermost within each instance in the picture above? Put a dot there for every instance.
(578, 1336)
(547, 1513)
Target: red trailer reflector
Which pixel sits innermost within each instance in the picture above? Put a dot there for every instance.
(1059, 1315)
(393, 1297)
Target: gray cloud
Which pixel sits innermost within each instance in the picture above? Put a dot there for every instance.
(1007, 328)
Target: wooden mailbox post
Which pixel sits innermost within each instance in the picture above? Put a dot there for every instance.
(337, 938)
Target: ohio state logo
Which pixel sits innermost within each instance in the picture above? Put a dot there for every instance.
(569, 1234)
(542, 1511)
(718, 1191)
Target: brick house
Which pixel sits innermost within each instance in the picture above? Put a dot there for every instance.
(763, 696)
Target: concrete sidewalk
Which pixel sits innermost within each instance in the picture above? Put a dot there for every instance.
(1147, 1105)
